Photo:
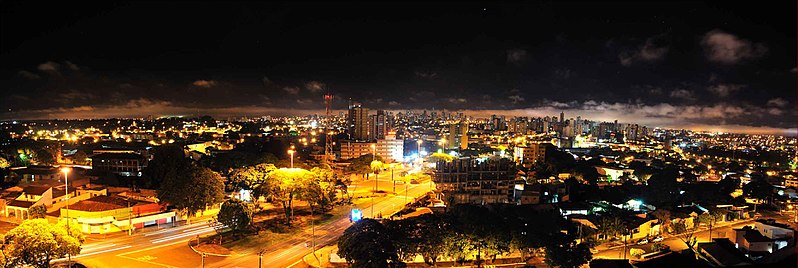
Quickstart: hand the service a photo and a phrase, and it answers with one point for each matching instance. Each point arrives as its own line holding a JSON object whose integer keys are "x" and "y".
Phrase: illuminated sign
{"x": 356, "y": 215}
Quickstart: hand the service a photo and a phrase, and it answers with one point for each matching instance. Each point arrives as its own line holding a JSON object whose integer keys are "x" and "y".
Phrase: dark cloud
{"x": 516, "y": 56}
{"x": 724, "y": 90}
{"x": 727, "y": 48}
{"x": 447, "y": 57}
{"x": 204, "y": 83}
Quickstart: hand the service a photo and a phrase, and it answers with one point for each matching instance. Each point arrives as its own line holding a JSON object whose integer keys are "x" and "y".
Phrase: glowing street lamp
{"x": 291, "y": 152}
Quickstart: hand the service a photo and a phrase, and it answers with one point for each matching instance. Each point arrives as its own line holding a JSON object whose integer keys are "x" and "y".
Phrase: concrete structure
{"x": 377, "y": 125}
{"x": 470, "y": 180}
{"x": 125, "y": 164}
{"x": 458, "y": 136}
{"x": 357, "y": 122}
{"x": 389, "y": 149}
{"x": 106, "y": 214}
{"x": 34, "y": 174}
{"x": 527, "y": 156}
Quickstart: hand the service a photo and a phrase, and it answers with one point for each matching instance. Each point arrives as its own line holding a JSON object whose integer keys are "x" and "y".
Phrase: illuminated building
{"x": 357, "y": 122}
{"x": 471, "y": 180}
{"x": 527, "y": 156}
{"x": 458, "y": 135}
{"x": 389, "y": 149}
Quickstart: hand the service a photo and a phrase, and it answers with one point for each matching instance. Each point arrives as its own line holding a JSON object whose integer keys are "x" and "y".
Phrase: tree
{"x": 568, "y": 254}
{"x": 376, "y": 166}
{"x": 37, "y": 212}
{"x": 367, "y": 243}
{"x": 728, "y": 185}
{"x": 759, "y": 189}
{"x": 194, "y": 190}
{"x": 422, "y": 235}
{"x": 44, "y": 157}
{"x": 235, "y": 214}
{"x": 483, "y": 234}
{"x": 588, "y": 174}
{"x": 4, "y": 163}
{"x": 437, "y": 157}
{"x": 319, "y": 189}
{"x": 362, "y": 164}
{"x": 254, "y": 178}
{"x": 168, "y": 164}
{"x": 664, "y": 217}
{"x": 36, "y": 242}
{"x": 610, "y": 226}
{"x": 286, "y": 184}
{"x": 636, "y": 252}
{"x": 662, "y": 185}
{"x": 80, "y": 158}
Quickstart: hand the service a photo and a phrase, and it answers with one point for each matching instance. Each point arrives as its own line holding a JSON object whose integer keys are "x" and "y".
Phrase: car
{"x": 642, "y": 242}
{"x": 658, "y": 239}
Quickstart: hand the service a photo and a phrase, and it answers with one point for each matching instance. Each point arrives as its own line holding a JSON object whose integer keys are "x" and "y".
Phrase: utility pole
{"x": 394, "y": 181}
{"x": 66, "y": 191}
{"x": 129, "y": 219}
{"x": 313, "y": 236}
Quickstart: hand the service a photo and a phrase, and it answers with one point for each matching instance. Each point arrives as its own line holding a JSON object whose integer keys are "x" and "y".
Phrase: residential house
{"x": 106, "y": 214}
{"x": 721, "y": 252}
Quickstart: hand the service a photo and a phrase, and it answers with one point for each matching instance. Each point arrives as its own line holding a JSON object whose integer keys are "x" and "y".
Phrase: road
{"x": 168, "y": 247}
{"x": 676, "y": 244}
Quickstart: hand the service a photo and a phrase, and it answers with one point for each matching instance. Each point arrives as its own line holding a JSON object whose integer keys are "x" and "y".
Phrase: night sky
{"x": 714, "y": 66}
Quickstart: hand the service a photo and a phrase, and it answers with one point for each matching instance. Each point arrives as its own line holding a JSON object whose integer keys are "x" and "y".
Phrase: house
{"x": 721, "y": 252}
{"x": 30, "y": 196}
{"x": 752, "y": 241}
{"x": 687, "y": 215}
{"x": 33, "y": 174}
{"x": 571, "y": 208}
{"x": 781, "y": 234}
{"x": 106, "y": 214}
{"x": 641, "y": 226}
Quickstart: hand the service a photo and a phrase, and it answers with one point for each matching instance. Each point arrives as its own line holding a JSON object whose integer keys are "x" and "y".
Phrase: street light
{"x": 66, "y": 170}
{"x": 260, "y": 257}
{"x": 291, "y": 152}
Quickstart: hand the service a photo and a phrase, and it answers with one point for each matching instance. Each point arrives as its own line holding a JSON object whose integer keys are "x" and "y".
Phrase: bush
{"x": 636, "y": 252}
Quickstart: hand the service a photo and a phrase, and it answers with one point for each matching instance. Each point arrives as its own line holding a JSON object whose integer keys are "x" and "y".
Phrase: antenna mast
{"x": 328, "y": 143}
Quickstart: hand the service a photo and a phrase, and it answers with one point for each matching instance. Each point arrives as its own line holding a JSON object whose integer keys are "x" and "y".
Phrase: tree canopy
{"x": 193, "y": 190}
{"x": 36, "y": 242}
{"x": 235, "y": 214}
{"x": 367, "y": 243}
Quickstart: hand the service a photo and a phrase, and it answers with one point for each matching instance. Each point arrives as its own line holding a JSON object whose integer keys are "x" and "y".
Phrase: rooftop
{"x": 35, "y": 189}
{"x": 20, "y": 204}
{"x": 117, "y": 156}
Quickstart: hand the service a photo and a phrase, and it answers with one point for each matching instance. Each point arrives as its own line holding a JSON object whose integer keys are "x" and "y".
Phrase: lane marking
{"x": 146, "y": 261}
{"x": 178, "y": 236}
{"x": 93, "y": 253}
{"x": 295, "y": 263}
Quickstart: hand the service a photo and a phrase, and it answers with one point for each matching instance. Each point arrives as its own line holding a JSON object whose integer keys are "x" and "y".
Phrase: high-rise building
{"x": 458, "y": 135}
{"x": 562, "y": 117}
{"x": 527, "y": 156}
{"x": 357, "y": 121}
{"x": 378, "y": 125}
{"x": 388, "y": 148}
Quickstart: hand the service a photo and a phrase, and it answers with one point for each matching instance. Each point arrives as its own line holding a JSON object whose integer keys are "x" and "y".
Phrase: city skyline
{"x": 699, "y": 66}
